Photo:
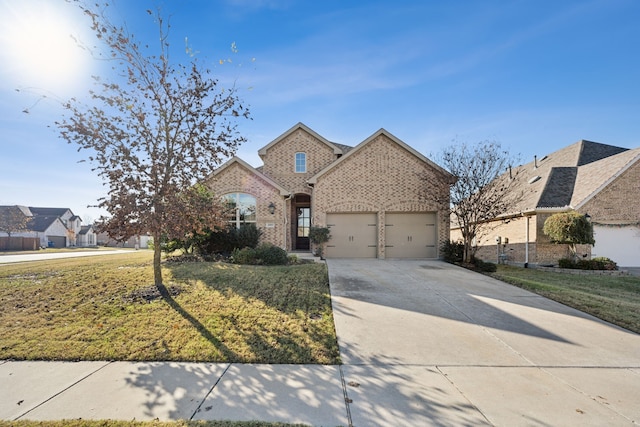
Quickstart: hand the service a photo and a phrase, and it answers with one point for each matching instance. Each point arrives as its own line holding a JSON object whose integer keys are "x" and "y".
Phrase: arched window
{"x": 242, "y": 208}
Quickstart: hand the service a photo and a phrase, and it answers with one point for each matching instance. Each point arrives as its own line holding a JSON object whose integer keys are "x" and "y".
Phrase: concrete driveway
{"x": 428, "y": 343}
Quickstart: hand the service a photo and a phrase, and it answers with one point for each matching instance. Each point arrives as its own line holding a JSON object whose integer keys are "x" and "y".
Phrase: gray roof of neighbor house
{"x": 85, "y": 229}
{"x": 48, "y": 211}
{"x": 567, "y": 177}
{"x": 42, "y": 222}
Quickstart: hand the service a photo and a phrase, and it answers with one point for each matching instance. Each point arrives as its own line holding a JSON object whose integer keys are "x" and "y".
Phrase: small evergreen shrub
{"x": 598, "y": 263}
{"x": 264, "y": 254}
{"x": 605, "y": 263}
{"x": 452, "y": 252}
{"x": 566, "y": 263}
{"x": 485, "y": 267}
{"x": 226, "y": 240}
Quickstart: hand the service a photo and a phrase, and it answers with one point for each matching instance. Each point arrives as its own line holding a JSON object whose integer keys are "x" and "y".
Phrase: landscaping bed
{"x": 106, "y": 308}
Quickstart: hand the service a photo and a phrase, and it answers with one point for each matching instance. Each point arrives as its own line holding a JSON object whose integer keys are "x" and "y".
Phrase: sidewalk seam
{"x": 62, "y": 391}
{"x": 209, "y": 392}
{"x": 346, "y": 396}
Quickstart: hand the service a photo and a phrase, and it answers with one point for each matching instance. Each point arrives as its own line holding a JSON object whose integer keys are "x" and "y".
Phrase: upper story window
{"x": 242, "y": 208}
{"x": 301, "y": 162}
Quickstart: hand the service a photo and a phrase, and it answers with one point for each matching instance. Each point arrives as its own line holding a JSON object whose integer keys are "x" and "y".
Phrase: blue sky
{"x": 535, "y": 75}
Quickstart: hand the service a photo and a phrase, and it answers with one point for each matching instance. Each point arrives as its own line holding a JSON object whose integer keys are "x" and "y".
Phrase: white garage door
{"x": 622, "y": 245}
{"x": 411, "y": 235}
{"x": 353, "y": 235}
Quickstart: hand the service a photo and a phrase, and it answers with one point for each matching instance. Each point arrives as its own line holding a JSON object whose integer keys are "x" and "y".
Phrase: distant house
{"x": 54, "y": 227}
{"x": 594, "y": 179}
{"x": 137, "y": 242}
{"x": 86, "y": 236}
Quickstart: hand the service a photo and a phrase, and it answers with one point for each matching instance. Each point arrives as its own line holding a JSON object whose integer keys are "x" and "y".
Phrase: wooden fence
{"x": 19, "y": 243}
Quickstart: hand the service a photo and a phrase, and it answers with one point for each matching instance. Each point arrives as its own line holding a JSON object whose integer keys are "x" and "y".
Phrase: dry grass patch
{"x": 615, "y": 299}
{"x": 106, "y": 308}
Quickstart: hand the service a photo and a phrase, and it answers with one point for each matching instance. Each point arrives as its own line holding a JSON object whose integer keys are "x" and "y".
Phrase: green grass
{"x": 111, "y": 423}
{"x": 102, "y": 308}
{"x": 615, "y": 299}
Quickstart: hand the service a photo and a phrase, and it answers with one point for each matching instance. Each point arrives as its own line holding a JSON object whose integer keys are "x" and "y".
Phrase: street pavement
{"x": 422, "y": 343}
{"x": 10, "y": 259}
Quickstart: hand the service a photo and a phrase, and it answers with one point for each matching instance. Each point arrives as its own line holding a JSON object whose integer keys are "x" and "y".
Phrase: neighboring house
{"x": 368, "y": 195}
{"x": 137, "y": 242}
{"x": 87, "y": 236}
{"x": 57, "y": 227}
{"x": 598, "y": 180}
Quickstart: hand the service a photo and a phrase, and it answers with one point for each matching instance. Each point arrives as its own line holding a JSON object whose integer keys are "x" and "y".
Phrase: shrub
{"x": 605, "y": 263}
{"x": 599, "y": 263}
{"x": 485, "y": 267}
{"x": 264, "y": 254}
{"x": 319, "y": 236}
{"x": 566, "y": 263}
{"x": 452, "y": 252}
{"x": 226, "y": 240}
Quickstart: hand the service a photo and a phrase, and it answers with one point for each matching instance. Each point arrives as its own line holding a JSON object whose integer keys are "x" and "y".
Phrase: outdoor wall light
{"x": 587, "y": 217}
{"x": 272, "y": 208}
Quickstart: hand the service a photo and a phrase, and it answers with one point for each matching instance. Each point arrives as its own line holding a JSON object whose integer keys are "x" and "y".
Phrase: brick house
{"x": 368, "y": 195}
{"x": 598, "y": 180}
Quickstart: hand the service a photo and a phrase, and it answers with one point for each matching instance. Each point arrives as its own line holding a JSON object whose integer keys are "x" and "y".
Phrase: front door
{"x": 302, "y": 229}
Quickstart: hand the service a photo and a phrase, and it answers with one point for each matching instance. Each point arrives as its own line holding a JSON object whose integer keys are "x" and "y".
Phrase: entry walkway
{"x": 422, "y": 343}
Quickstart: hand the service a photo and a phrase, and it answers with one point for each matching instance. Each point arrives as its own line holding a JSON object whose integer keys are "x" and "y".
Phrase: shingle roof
{"x": 48, "y": 211}
{"x": 42, "y": 222}
{"x": 567, "y": 176}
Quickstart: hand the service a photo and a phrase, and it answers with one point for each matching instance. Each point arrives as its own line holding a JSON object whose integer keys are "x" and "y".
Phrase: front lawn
{"x": 615, "y": 299}
{"x": 106, "y": 308}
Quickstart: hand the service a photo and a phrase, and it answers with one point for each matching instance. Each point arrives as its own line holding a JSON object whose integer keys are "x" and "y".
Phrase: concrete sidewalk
{"x": 10, "y": 259}
{"x": 306, "y": 394}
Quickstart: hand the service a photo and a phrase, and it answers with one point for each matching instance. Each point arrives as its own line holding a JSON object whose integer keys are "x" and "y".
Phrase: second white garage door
{"x": 353, "y": 235}
{"x": 411, "y": 235}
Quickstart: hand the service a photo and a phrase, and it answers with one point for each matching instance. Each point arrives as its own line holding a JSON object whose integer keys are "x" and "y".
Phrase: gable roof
{"x": 594, "y": 177}
{"x": 337, "y": 148}
{"x": 359, "y": 147}
{"x": 565, "y": 177}
{"x": 237, "y": 160}
{"x": 43, "y": 222}
{"x": 49, "y": 211}
{"x": 85, "y": 229}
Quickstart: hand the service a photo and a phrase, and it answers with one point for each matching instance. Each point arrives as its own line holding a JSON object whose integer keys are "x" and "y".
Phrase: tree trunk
{"x": 157, "y": 257}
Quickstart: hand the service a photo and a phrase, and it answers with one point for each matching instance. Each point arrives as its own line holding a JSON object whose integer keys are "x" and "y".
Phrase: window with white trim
{"x": 241, "y": 207}
{"x": 301, "y": 162}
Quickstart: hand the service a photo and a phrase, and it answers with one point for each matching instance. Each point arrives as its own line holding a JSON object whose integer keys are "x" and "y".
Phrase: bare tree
{"x": 151, "y": 134}
{"x": 483, "y": 189}
{"x": 13, "y": 220}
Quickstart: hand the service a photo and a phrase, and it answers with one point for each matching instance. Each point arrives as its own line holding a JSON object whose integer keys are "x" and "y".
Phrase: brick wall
{"x": 619, "y": 202}
{"x": 380, "y": 177}
{"x": 237, "y": 179}
{"x": 279, "y": 161}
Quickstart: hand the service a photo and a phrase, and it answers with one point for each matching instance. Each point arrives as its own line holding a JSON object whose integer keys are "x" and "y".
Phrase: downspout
{"x": 526, "y": 244}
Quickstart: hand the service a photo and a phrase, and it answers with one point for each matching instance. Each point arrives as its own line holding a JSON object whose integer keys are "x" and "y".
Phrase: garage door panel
{"x": 411, "y": 235}
{"x": 352, "y": 235}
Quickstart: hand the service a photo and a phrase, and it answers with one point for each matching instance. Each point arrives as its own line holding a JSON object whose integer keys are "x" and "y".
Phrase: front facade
{"x": 370, "y": 196}
{"x": 594, "y": 179}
